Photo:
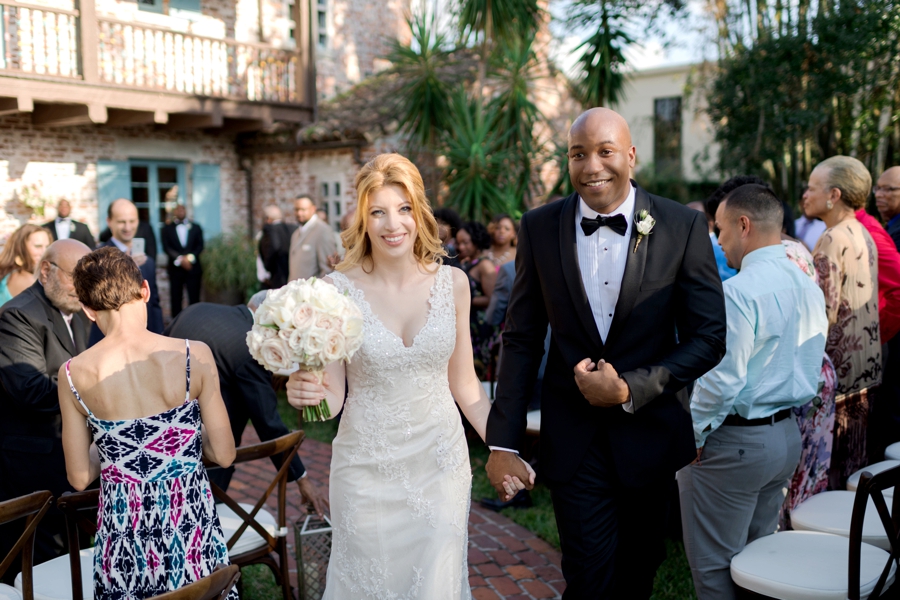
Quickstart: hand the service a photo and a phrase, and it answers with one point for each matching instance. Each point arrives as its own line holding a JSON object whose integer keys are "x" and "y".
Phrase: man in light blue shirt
{"x": 748, "y": 442}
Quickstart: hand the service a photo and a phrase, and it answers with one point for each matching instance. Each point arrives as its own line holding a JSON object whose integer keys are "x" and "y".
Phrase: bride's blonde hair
{"x": 381, "y": 171}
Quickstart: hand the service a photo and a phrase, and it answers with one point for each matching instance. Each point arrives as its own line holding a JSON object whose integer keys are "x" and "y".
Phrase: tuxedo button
{"x": 605, "y": 283}
{"x": 610, "y": 314}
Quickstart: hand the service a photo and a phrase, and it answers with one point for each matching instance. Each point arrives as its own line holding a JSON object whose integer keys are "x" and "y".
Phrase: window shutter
{"x": 192, "y": 5}
{"x": 113, "y": 182}
{"x": 207, "y": 212}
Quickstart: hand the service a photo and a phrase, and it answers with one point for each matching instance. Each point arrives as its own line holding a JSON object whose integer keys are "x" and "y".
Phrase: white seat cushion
{"x": 804, "y": 565}
{"x": 892, "y": 452}
{"x": 9, "y": 593}
{"x": 853, "y": 480}
{"x": 533, "y": 425}
{"x": 250, "y": 539}
{"x": 830, "y": 512}
{"x": 53, "y": 579}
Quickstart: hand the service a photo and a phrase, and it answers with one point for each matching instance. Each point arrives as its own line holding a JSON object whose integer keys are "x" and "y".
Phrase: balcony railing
{"x": 46, "y": 41}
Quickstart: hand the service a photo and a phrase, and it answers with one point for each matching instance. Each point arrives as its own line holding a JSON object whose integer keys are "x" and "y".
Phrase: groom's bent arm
{"x": 700, "y": 322}
{"x": 523, "y": 346}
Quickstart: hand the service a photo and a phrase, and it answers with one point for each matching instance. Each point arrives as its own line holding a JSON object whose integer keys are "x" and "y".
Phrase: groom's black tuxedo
{"x": 667, "y": 330}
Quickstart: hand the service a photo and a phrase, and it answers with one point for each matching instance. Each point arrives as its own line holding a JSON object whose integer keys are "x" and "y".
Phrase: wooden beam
{"x": 119, "y": 117}
{"x": 89, "y": 33}
{"x": 14, "y": 106}
{"x": 187, "y": 121}
{"x": 67, "y": 115}
{"x": 244, "y": 125}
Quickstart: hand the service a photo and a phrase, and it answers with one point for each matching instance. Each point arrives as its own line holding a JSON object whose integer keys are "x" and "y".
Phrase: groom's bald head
{"x": 601, "y": 158}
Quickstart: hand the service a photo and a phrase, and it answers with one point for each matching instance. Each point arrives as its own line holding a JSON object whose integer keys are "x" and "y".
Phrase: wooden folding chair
{"x": 253, "y": 533}
{"x": 32, "y": 508}
{"x": 215, "y": 586}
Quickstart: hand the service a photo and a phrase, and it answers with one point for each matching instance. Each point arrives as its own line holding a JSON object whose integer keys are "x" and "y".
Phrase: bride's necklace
{"x": 499, "y": 260}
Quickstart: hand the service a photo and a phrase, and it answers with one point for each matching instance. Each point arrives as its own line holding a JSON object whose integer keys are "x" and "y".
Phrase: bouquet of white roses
{"x": 309, "y": 324}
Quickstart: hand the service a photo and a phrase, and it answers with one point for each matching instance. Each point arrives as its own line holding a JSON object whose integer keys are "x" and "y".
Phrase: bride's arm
{"x": 303, "y": 388}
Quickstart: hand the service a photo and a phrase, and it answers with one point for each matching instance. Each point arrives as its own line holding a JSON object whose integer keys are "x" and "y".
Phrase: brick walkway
{"x": 505, "y": 560}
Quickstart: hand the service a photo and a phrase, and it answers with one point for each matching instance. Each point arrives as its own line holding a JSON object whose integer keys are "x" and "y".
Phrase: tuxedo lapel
{"x": 568, "y": 254}
{"x": 634, "y": 268}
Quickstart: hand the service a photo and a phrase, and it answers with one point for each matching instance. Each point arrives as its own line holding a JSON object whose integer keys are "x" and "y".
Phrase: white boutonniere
{"x": 644, "y": 223}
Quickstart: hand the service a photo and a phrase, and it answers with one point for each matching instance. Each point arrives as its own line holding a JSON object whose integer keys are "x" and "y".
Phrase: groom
{"x": 628, "y": 283}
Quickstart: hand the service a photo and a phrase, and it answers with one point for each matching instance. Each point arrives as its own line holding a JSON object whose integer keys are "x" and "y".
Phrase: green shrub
{"x": 229, "y": 264}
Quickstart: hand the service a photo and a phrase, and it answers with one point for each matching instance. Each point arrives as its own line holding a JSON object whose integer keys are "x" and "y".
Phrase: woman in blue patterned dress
{"x": 132, "y": 415}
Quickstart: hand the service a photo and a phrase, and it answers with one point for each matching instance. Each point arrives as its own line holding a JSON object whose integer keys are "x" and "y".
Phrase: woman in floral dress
{"x": 473, "y": 241}
{"x": 131, "y": 418}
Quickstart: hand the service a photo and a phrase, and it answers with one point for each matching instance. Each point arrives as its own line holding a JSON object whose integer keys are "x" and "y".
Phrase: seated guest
{"x": 246, "y": 386}
{"x": 128, "y": 419}
{"x": 64, "y": 227}
{"x": 748, "y": 443}
{"x": 838, "y": 187}
{"x": 496, "y": 310}
{"x": 20, "y": 256}
{"x": 40, "y": 329}
{"x": 449, "y": 224}
{"x": 473, "y": 241}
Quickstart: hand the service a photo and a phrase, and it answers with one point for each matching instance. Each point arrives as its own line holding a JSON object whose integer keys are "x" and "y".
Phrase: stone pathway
{"x": 505, "y": 560}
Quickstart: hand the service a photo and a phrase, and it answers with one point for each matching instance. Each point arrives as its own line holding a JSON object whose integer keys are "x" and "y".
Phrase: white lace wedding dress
{"x": 400, "y": 475}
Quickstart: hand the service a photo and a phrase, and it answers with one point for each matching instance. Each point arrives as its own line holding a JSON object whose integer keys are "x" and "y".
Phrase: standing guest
{"x": 496, "y": 310}
{"x": 748, "y": 443}
{"x": 725, "y": 271}
{"x": 64, "y": 227}
{"x": 887, "y": 200}
{"x": 449, "y": 224}
{"x": 847, "y": 266}
{"x": 275, "y": 246}
{"x": 312, "y": 244}
{"x": 20, "y": 256}
{"x": 246, "y": 386}
{"x": 473, "y": 241}
{"x": 40, "y": 329}
{"x": 144, "y": 231}
{"x": 808, "y": 229}
{"x": 615, "y": 287}
{"x": 122, "y": 220}
{"x": 144, "y": 432}
{"x": 182, "y": 241}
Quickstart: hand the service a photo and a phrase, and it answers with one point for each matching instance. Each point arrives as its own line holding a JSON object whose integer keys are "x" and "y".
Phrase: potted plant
{"x": 229, "y": 269}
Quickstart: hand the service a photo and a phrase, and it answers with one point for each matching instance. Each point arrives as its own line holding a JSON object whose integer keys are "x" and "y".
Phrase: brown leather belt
{"x": 739, "y": 421}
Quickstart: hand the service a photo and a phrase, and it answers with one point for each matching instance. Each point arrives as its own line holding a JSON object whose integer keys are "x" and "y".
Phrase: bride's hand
{"x": 303, "y": 389}
{"x": 513, "y": 485}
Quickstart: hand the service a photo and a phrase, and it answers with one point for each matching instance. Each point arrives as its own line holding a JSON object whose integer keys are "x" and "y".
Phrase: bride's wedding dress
{"x": 400, "y": 474}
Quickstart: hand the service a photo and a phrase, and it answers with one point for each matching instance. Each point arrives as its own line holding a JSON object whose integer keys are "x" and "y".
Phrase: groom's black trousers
{"x": 612, "y": 538}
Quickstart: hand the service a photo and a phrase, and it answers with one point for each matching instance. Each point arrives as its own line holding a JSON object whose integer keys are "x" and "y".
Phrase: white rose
{"x": 283, "y": 312}
{"x": 315, "y": 341}
{"x": 328, "y": 300}
{"x": 304, "y": 316}
{"x": 353, "y": 326}
{"x": 276, "y": 354}
{"x": 297, "y": 342}
{"x": 334, "y": 346}
{"x": 645, "y": 225}
{"x": 328, "y": 322}
{"x": 263, "y": 315}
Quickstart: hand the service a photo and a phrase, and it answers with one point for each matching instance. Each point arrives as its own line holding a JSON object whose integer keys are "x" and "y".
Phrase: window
{"x": 667, "y": 136}
{"x": 151, "y": 5}
{"x": 156, "y": 187}
{"x": 332, "y": 203}
{"x": 322, "y": 22}
{"x": 175, "y": 7}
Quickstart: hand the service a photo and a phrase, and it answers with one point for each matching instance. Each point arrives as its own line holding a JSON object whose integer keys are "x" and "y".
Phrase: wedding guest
{"x": 809, "y": 229}
{"x": 64, "y": 227}
{"x": 144, "y": 231}
{"x": 887, "y": 200}
{"x": 503, "y": 231}
{"x": 182, "y": 241}
{"x": 449, "y": 224}
{"x": 496, "y": 310}
{"x": 312, "y": 243}
{"x": 20, "y": 256}
{"x": 776, "y": 336}
{"x": 144, "y": 431}
{"x": 40, "y": 329}
{"x": 721, "y": 262}
{"x": 275, "y": 246}
{"x": 122, "y": 220}
{"x": 847, "y": 265}
{"x": 245, "y": 385}
{"x": 473, "y": 241}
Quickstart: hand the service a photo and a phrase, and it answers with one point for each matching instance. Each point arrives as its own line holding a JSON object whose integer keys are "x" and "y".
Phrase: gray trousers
{"x": 733, "y": 497}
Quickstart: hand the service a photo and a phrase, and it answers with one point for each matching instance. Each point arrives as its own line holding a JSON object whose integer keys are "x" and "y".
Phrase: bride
{"x": 400, "y": 473}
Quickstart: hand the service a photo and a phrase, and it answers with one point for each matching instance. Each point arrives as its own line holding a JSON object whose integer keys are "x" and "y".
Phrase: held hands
{"x": 303, "y": 389}
{"x": 509, "y": 474}
{"x": 600, "y": 384}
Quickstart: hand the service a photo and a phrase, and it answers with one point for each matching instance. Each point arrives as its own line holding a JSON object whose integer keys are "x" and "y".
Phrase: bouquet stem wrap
{"x": 319, "y": 412}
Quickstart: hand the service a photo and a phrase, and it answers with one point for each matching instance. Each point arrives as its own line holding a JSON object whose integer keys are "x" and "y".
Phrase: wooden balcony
{"x": 73, "y": 67}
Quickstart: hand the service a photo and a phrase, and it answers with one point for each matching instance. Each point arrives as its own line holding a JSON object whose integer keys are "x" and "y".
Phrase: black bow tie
{"x": 617, "y": 223}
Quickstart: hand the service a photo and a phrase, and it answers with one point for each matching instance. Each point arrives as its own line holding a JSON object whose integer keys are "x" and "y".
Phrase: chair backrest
{"x": 80, "y": 510}
{"x": 32, "y": 508}
{"x": 214, "y": 586}
{"x": 287, "y": 446}
{"x": 873, "y": 486}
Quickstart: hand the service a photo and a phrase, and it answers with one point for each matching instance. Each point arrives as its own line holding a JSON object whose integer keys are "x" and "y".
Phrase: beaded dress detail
{"x": 400, "y": 474}
{"x": 158, "y": 529}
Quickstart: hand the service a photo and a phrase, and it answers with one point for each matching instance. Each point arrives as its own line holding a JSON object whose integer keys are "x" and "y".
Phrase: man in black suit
{"x": 637, "y": 313}
{"x": 246, "y": 386}
{"x": 275, "y": 247}
{"x": 182, "y": 242}
{"x": 63, "y": 227}
{"x": 40, "y": 329}
{"x": 122, "y": 220}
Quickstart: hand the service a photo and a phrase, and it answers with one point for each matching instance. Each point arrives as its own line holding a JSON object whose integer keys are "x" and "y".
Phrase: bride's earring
{"x": 829, "y": 205}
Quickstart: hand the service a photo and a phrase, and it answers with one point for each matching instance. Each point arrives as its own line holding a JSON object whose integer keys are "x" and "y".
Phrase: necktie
{"x": 617, "y": 223}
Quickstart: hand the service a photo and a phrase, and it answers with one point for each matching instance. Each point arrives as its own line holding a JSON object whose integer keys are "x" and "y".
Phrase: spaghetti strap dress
{"x": 158, "y": 529}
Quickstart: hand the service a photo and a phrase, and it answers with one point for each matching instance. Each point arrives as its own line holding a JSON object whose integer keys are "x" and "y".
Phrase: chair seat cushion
{"x": 9, "y": 593}
{"x": 875, "y": 469}
{"x": 892, "y": 452}
{"x": 805, "y": 565}
{"x": 830, "y": 512}
{"x": 250, "y": 539}
{"x": 533, "y": 423}
{"x": 53, "y": 579}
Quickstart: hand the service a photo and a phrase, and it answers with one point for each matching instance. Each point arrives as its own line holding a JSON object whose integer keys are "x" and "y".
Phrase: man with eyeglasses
{"x": 887, "y": 199}
{"x": 40, "y": 329}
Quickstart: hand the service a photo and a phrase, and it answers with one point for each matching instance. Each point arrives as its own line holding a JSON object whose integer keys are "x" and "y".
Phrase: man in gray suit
{"x": 887, "y": 199}
{"x": 496, "y": 310}
{"x": 311, "y": 244}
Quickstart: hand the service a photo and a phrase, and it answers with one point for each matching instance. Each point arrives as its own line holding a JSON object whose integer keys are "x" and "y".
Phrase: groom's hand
{"x": 507, "y": 474}
{"x": 600, "y": 384}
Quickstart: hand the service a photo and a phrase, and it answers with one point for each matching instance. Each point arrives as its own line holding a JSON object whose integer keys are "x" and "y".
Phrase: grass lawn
{"x": 673, "y": 580}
